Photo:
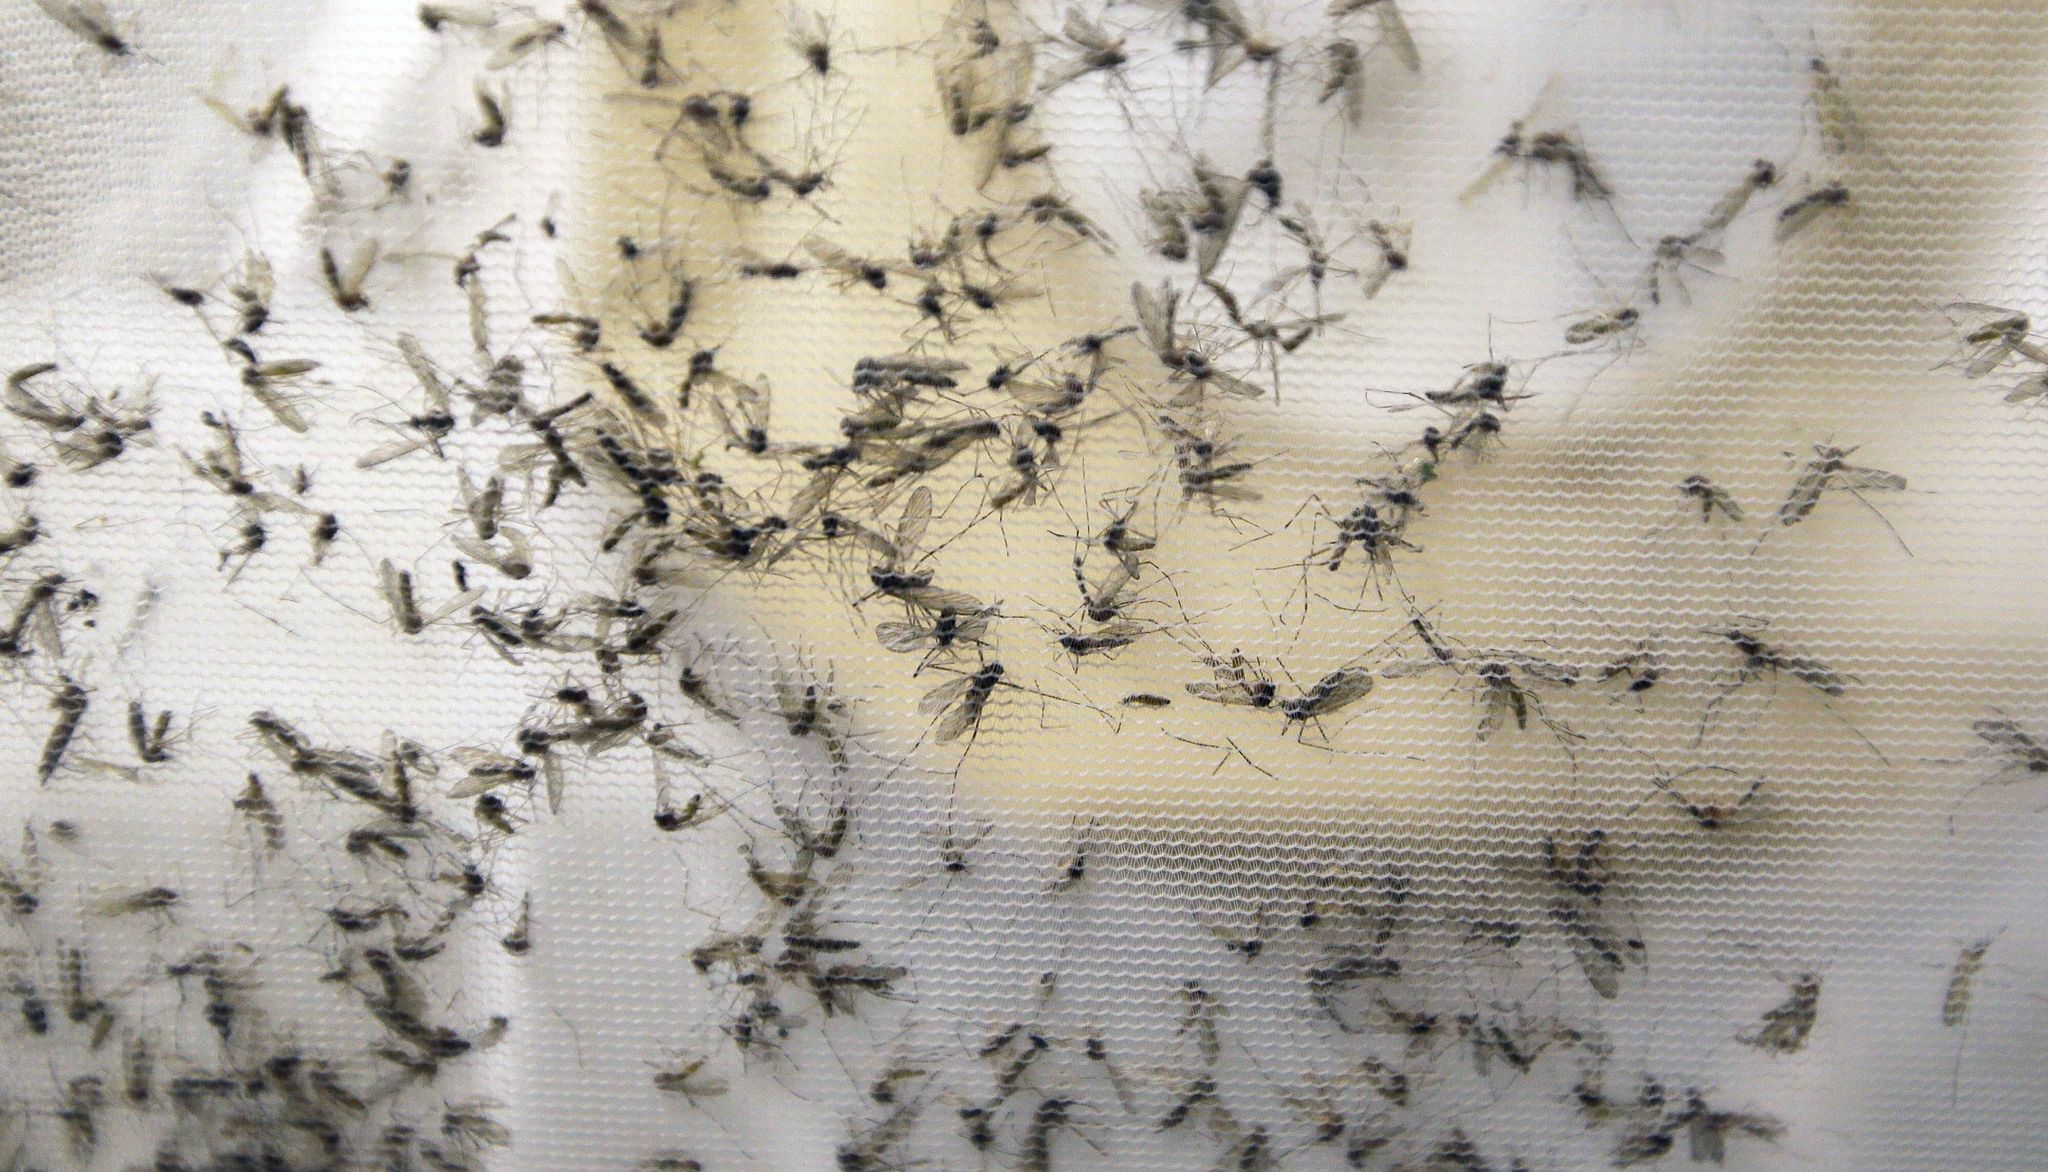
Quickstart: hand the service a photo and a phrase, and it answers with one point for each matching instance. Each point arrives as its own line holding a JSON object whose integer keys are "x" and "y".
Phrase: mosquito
{"x": 1156, "y": 311}
{"x": 1317, "y": 263}
{"x": 1672, "y": 255}
{"x": 1508, "y": 682}
{"x": 1269, "y": 337}
{"x": 345, "y": 284}
{"x": 1839, "y": 127}
{"x": 1707, "y": 1130}
{"x": 811, "y": 706}
{"x": 962, "y": 701}
{"x": 1605, "y": 324}
{"x": 403, "y": 602}
{"x": 1344, "y": 73}
{"x": 1710, "y": 497}
{"x": 1230, "y": 39}
{"x": 690, "y": 1080}
{"x": 2021, "y": 756}
{"x": 1710, "y": 815}
{"x": 1785, "y": 1026}
{"x": 1204, "y": 469}
{"x": 892, "y": 574}
{"x": 936, "y": 632}
{"x": 1962, "y": 980}
{"x": 1579, "y": 906}
{"x": 850, "y": 269}
{"x": 1338, "y": 689}
{"x": 1763, "y": 174}
{"x": 1393, "y": 27}
{"x": 1096, "y": 50}
{"x": 1237, "y": 681}
{"x": 70, "y": 704}
{"x": 1554, "y": 148}
{"x": 1203, "y": 214}
{"x": 434, "y": 423}
{"x": 1794, "y": 217}
{"x": 435, "y": 16}
{"x": 515, "y": 43}
{"x": 1761, "y": 659}
{"x": 91, "y": 20}
{"x": 2005, "y": 334}
{"x": 1830, "y": 470}
{"x": 494, "y": 128}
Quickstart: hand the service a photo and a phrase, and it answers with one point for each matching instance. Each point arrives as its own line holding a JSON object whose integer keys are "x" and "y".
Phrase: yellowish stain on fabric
{"x": 1763, "y": 362}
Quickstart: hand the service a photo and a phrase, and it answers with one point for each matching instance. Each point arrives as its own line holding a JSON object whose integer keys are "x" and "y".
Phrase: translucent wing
{"x": 910, "y": 529}
{"x": 812, "y": 496}
{"x": 87, "y": 18}
{"x": 956, "y": 722}
{"x": 2034, "y": 386}
{"x": 2005, "y": 734}
{"x": 1563, "y": 674}
{"x": 937, "y": 600}
{"x": 1601, "y": 961}
{"x": 1226, "y": 200}
{"x": 967, "y": 700}
{"x": 1869, "y": 479}
{"x": 1231, "y": 385}
{"x": 1804, "y": 496}
{"x": 1722, "y": 499}
{"x": 1499, "y": 699}
{"x": 1236, "y": 682}
{"x": 516, "y": 43}
{"x": 280, "y": 406}
{"x": 902, "y": 636}
{"x": 487, "y": 771}
{"x": 391, "y": 451}
{"x": 1344, "y": 686}
{"x": 1814, "y": 674}
{"x": 1394, "y": 33}
{"x": 1494, "y": 170}
{"x": 1155, "y": 310}
{"x": 1401, "y": 669}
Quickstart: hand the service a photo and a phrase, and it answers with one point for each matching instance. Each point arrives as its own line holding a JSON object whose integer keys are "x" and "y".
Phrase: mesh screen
{"x": 1390, "y": 584}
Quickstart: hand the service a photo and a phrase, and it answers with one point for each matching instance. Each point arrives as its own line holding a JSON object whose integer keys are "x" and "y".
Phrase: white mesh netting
{"x": 1000, "y": 585}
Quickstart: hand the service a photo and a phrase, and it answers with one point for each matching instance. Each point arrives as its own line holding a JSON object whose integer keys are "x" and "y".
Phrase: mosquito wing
{"x": 1722, "y": 499}
{"x": 1499, "y": 699}
{"x": 1155, "y": 310}
{"x": 1228, "y": 195}
{"x": 1561, "y": 674}
{"x": 910, "y": 528}
{"x": 937, "y": 600}
{"x": 1231, "y": 385}
{"x": 1814, "y": 674}
{"x": 812, "y": 496}
{"x": 2034, "y": 386}
{"x": 1394, "y": 33}
{"x": 903, "y": 636}
{"x": 1804, "y": 496}
{"x": 1857, "y": 479}
{"x": 1346, "y": 685}
{"x": 1401, "y": 669}
{"x": 1600, "y": 961}
{"x": 2005, "y": 734}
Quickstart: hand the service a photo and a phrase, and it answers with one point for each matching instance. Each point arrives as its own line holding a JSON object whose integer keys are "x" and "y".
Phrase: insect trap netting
{"x": 1380, "y": 584}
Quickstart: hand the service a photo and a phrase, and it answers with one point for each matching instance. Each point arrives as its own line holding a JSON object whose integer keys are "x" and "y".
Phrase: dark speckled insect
{"x": 1786, "y": 1025}
{"x": 90, "y": 20}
